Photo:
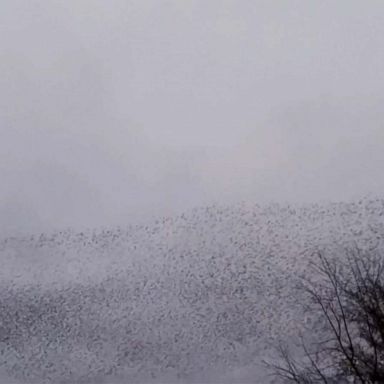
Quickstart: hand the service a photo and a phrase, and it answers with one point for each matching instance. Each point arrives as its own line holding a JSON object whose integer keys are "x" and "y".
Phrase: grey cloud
{"x": 115, "y": 111}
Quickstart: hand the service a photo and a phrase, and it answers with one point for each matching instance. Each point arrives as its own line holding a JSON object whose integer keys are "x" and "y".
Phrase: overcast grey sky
{"x": 116, "y": 110}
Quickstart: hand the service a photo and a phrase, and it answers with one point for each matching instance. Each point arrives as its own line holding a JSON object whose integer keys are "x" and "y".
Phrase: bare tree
{"x": 347, "y": 296}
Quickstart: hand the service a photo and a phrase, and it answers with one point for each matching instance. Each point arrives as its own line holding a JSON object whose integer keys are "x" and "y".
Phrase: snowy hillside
{"x": 198, "y": 297}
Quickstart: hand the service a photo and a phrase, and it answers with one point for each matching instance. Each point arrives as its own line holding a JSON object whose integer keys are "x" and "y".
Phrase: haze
{"x": 114, "y": 111}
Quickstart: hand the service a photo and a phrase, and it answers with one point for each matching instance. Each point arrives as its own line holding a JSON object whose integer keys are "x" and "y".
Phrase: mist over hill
{"x": 198, "y": 297}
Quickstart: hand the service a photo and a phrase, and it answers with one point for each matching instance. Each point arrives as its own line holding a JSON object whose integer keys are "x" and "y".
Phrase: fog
{"x": 115, "y": 111}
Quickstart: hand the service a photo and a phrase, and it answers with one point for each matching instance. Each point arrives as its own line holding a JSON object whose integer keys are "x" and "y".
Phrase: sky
{"x": 119, "y": 110}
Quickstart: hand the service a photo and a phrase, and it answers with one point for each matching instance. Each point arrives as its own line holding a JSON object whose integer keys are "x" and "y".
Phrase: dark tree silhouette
{"x": 347, "y": 296}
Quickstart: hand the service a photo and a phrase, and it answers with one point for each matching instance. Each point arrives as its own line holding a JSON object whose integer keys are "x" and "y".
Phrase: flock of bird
{"x": 209, "y": 289}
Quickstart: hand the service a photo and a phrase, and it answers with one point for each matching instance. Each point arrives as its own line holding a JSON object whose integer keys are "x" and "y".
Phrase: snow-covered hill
{"x": 193, "y": 298}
